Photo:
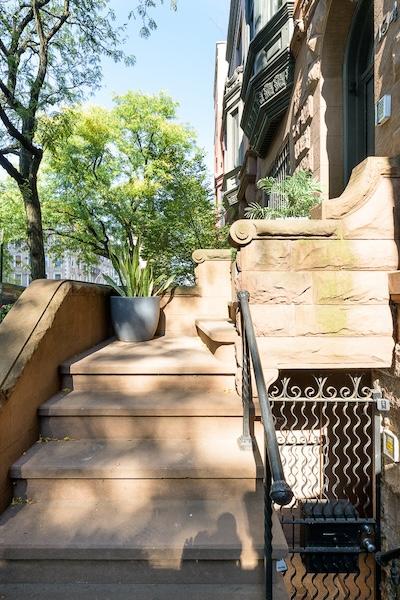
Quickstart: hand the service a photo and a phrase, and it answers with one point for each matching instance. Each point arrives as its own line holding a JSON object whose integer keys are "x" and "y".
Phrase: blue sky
{"x": 178, "y": 58}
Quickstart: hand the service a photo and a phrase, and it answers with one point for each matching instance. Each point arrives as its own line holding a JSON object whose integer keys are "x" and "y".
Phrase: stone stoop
{"x": 137, "y": 487}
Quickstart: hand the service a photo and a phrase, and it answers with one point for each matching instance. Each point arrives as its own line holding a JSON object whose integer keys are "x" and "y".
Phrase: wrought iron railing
{"x": 276, "y": 489}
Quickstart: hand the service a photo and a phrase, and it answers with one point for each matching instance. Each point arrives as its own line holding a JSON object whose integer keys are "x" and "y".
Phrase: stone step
{"x": 150, "y": 383}
{"x": 141, "y": 592}
{"x": 159, "y": 415}
{"x": 163, "y": 355}
{"x": 208, "y": 457}
{"x": 127, "y": 428}
{"x": 163, "y": 365}
{"x": 139, "y": 572}
{"x": 173, "y": 402}
{"x": 79, "y": 489}
{"x": 222, "y": 331}
{"x": 164, "y": 532}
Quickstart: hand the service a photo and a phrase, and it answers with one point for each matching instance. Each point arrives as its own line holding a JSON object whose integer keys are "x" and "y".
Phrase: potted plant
{"x": 135, "y": 312}
{"x": 297, "y": 193}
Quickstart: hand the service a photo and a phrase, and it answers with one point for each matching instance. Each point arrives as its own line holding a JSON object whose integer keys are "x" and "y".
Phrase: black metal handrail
{"x": 280, "y": 492}
{"x": 276, "y": 488}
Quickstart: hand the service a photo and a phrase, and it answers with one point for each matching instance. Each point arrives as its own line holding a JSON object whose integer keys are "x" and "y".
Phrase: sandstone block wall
{"x": 209, "y": 298}
{"x": 319, "y": 289}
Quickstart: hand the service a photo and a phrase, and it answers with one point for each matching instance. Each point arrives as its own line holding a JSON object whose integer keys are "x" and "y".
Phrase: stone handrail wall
{"x": 50, "y": 322}
{"x": 209, "y": 298}
{"x": 319, "y": 287}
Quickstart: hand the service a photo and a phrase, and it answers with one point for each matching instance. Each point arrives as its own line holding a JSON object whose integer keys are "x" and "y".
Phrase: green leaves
{"x": 299, "y": 193}
{"x": 137, "y": 277}
{"x": 127, "y": 172}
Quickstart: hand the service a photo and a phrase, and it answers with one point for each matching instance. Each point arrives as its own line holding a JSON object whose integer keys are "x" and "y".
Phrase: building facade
{"x": 221, "y": 69}
{"x": 313, "y": 85}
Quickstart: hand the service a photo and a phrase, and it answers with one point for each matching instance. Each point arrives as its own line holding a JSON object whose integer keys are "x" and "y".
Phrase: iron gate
{"x": 326, "y": 432}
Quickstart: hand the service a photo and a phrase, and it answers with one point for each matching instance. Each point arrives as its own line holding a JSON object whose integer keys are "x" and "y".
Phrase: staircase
{"x": 137, "y": 487}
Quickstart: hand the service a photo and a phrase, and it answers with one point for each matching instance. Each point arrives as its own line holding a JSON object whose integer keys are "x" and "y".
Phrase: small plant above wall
{"x": 300, "y": 192}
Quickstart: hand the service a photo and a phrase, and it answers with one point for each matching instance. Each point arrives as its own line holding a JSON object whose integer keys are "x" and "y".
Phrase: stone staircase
{"x": 137, "y": 487}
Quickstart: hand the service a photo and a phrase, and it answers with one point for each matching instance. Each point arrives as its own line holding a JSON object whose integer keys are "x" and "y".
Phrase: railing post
{"x": 245, "y": 441}
{"x": 268, "y": 562}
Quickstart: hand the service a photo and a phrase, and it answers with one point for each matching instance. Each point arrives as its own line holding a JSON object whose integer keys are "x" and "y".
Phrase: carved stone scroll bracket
{"x": 203, "y": 255}
{"x": 244, "y": 231}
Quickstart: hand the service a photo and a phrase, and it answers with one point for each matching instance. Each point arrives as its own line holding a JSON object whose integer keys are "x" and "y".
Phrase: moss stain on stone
{"x": 333, "y": 287}
{"x": 331, "y": 319}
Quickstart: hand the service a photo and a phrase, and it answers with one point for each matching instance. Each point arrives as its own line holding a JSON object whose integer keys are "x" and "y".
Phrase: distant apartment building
{"x": 67, "y": 267}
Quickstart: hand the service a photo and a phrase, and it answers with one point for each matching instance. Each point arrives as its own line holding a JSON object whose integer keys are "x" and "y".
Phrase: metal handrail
{"x": 280, "y": 492}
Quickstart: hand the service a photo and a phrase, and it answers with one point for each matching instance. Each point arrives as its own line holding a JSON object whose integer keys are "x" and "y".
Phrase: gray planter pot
{"x": 135, "y": 319}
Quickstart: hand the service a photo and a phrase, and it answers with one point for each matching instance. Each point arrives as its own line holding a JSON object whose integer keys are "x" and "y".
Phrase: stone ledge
{"x": 242, "y": 232}
{"x": 203, "y": 255}
{"x": 218, "y": 330}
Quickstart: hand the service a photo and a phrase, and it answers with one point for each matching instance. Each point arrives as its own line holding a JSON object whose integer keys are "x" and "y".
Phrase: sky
{"x": 178, "y": 58}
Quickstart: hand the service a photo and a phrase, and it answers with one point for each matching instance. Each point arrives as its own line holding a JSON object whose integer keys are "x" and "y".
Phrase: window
{"x": 18, "y": 278}
{"x": 57, "y": 275}
{"x": 58, "y": 263}
{"x": 235, "y": 137}
{"x": 279, "y": 170}
{"x": 18, "y": 260}
{"x": 262, "y": 12}
{"x": 239, "y": 50}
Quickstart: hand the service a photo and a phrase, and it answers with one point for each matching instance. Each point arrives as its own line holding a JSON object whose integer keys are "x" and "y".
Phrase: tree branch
{"x": 11, "y": 100}
{"x": 11, "y": 170}
{"x": 99, "y": 250}
{"x": 56, "y": 28}
{"x": 10, "y": 150}
{"x": 17, "y": 135}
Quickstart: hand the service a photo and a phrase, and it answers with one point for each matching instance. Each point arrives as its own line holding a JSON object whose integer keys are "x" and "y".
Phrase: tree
{"x": 50, "y": 53}
{"x": 127, "y": 172}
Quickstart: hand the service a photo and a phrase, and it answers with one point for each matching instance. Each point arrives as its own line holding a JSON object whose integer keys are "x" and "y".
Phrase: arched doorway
{"x": 359, "y": 138}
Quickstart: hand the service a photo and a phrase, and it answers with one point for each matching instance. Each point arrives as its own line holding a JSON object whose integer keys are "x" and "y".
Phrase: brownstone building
{"x": 315, "y": 85}
{"x": 319, "y": 89}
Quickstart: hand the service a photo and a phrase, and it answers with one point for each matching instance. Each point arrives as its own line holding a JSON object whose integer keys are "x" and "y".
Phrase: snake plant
{"x": 136, "y": 278}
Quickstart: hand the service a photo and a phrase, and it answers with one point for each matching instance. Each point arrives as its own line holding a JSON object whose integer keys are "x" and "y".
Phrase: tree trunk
{"x": 34, "y": 230}
{"x": 29, "y": 167}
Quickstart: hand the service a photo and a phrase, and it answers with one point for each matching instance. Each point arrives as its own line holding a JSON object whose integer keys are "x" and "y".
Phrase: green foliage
{"x": 12, "y": 213}
{"x": 127, "y": 172}
{"x": 51, "y": 55}
{"x": 137, "y": 277}
{"x": 4, "y": 310}
{"x": 300, "y": 192}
